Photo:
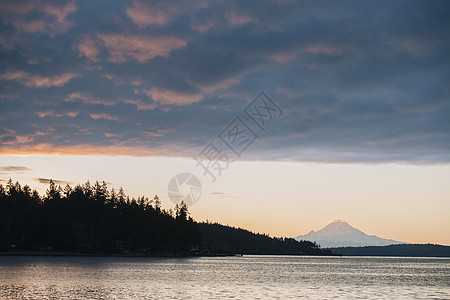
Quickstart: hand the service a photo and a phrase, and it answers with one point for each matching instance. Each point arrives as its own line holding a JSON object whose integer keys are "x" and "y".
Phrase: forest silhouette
{"x": 91, "y": 219}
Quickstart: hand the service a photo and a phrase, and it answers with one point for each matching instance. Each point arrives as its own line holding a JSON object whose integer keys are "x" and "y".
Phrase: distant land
{"x": 93, "y": 220}
{"x": 226, "y": 239}
{"x": 341, "y": 234}
{"x": 411, "y": 250}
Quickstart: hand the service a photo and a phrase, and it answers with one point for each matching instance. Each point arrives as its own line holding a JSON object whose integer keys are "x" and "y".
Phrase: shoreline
{"x": 186, "y": 255}
{"x": 81, "y": 254}
{"x": 167, "y": 255}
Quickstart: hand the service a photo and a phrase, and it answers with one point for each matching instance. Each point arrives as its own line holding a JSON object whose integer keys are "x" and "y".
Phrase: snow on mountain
{"x": 340, "y": 234}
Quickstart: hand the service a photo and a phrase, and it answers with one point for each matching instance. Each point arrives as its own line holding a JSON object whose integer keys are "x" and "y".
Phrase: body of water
{"x": 247, "y": 277}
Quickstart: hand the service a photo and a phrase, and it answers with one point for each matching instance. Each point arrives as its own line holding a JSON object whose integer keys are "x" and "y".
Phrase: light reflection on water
{"x": 248, "y": 277}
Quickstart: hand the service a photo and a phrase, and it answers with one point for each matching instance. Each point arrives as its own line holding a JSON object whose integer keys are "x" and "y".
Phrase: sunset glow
{"x": 131, "y": 92}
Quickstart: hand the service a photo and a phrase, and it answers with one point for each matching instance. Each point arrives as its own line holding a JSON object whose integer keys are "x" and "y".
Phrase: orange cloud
{"x": 158, "y": 132}
{"x": 18, "y": 139}
{"x": 87, "y": 98}
{"x": 170, "y": 97}
{"x": 30, "y": 80}
{"x": 51, "y": 113}
{"x": 103, "y": 117}
{"x": 316, "y": 49}
{"x": 88, "y": 48}
{"x": 284, "y": 57}
{"x": 323, "y": 49}
{"x": 237, "y": 19}
{"x": 141, "y": 105}
{"x": 139, "y": 47}
{"x": 112, "y": 135}
{"x": 144, "y": 15}
{"x": 60, "y": 13}
{"x": 86, "y": 149}
{"x": 53, "y": 21}
{"x": 122, "y": 48}
{"x": 220, "y": 86}
{"x": 114, "y": 78}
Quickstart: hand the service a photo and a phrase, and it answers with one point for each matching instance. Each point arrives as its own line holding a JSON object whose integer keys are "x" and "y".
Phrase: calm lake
{"x": 247, "y": 277}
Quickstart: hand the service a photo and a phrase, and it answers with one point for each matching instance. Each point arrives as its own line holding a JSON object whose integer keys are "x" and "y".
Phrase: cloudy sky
{"x": 357, "y": 84}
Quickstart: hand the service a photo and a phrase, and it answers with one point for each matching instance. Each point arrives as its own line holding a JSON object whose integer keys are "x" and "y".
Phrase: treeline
{"x": 95, "y": 220}
{"x": 238, "y": 240}
{"x": 91, "y": 218}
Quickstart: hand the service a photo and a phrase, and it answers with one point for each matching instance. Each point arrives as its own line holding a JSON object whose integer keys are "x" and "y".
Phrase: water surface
{"x": 248, "y": 277}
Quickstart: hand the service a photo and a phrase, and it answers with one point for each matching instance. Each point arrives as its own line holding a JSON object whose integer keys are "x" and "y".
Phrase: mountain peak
{"x": 341, "y": 234}
{"x": 338, "y": 227}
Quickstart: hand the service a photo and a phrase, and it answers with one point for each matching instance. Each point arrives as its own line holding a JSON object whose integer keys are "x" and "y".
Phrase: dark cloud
{"x": 222, "y": 195}
{"x": 218, "y": 193}
{"x": 358, "y": 81}
{"x": 12, "y": 169}
{"x": 47, "y": 181}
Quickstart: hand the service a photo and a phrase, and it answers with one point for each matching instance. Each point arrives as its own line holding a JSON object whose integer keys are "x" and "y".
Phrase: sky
{"x": 290, "y": 113}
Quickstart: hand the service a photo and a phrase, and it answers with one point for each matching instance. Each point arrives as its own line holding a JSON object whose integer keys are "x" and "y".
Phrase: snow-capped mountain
{"x": 340, "y": 234}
